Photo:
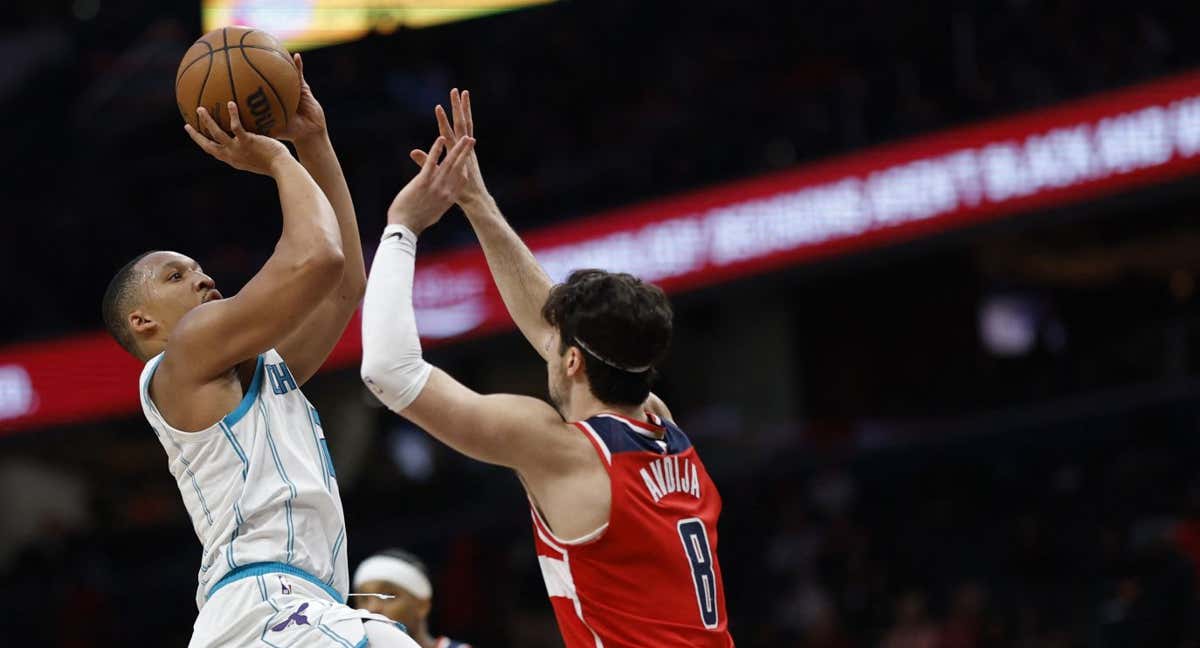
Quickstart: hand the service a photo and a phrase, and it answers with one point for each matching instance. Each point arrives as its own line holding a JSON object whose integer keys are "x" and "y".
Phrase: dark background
{"x": 888, "y": 481}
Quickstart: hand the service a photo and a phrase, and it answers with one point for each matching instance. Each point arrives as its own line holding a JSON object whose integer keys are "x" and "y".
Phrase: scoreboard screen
{"x": 304, "y": 24}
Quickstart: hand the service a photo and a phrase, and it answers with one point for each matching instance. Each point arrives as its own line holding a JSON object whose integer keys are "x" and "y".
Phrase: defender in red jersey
{"x": 624, "y": 513}
{"x": 649, "y": 577}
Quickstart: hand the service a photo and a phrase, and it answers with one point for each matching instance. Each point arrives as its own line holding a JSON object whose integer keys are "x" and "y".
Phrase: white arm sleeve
{"x": 392, "y": 367}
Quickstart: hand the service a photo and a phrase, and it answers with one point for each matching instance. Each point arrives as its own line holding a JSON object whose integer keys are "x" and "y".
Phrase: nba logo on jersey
{"x": 284, "y": 586}
{"x": 280, "y": 377}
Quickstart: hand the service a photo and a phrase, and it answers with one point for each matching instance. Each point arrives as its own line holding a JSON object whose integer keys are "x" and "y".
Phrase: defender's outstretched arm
{"x": 523, "y": 283}
{"x": 521, "y": 280}
{"x": 514, "y": 431}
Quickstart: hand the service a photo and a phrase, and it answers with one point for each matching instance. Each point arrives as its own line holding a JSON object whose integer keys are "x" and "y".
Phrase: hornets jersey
{"x": 259, "y": 484}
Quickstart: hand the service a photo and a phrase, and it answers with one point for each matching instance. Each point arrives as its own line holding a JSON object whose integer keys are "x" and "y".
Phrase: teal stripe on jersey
{"x": 237, "y": 447}
{"x": 287, "y": 505}
{"x": 333, "y": 635}
{"x": 237, "y": 509}
{"x": 259, "y": 569}
{"x": 231, "y": 419}
{"x": 337, "y": 546}
{"x": 187, "y": 468}
{"x": 312, "y": 413}
{"x": 196, "y": 486}
{"x": 237, "y": 530}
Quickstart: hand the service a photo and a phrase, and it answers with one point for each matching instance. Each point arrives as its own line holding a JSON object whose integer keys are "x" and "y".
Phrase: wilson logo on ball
{"x": 260, "y": 108}
{"x": 239, "y": 64}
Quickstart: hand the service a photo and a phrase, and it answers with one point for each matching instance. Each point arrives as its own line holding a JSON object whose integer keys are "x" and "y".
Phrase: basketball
{"x": 243, "y": 65}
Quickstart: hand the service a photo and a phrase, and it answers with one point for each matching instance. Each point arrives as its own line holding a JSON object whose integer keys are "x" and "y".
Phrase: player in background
{"x": 403, "y": 577}
{"x": 623, "y": 511}
{"x": 221, "y": 389}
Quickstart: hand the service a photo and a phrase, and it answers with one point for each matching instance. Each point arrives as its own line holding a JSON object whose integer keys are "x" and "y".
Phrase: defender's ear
{"x": 574, "y": 362}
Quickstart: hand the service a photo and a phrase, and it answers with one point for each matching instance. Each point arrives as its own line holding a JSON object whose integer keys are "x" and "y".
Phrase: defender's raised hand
{"x": 426, "y": 197}
{"x": 244, "y": 150}
{"x": 463, "y": 126}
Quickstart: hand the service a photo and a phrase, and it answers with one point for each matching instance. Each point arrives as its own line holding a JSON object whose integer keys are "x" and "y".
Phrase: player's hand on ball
{"x": 463, "y": 126}
{"x": 309, "y": 119}
{"x": 427, "y": 196}
{"x": 244, "y": 150}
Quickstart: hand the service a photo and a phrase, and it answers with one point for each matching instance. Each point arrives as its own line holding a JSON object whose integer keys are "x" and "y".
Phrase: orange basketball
{"x": 243, "y": 65}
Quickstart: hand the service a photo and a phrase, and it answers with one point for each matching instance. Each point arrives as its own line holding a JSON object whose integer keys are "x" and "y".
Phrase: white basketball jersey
{"x": 259, "y": 484}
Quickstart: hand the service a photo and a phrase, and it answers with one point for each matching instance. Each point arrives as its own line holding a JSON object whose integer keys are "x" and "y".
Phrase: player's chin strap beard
{"x": 614, "y": 365}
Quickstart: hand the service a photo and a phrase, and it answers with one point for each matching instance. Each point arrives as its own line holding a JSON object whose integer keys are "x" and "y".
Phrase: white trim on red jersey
{"x": 559, "y": 581}
{"x": 581, "y": 540}
{"x": 586, "y": 427}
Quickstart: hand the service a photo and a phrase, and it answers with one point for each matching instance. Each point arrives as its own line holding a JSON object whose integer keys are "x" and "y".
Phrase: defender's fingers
{"x": 444, "y": 126}
{"x": 434, "y": 153}
{"x": 468, "y": 120}
{"x": 418, "y": 156}
{"x": 458, "y": 155}
{"x": 456, "y": 106}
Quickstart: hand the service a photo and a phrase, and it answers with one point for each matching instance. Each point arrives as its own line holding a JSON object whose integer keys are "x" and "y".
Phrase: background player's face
{"x": 172, "y": 284}
{"x": 405, "y": 608}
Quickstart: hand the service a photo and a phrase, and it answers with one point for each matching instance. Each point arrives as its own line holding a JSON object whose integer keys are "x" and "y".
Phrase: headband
{"x": 636, "y": 370}
{"x": 394, "y": 570}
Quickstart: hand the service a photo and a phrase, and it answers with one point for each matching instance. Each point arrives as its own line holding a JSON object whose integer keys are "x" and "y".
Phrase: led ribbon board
{"x": 1076, "y": 151}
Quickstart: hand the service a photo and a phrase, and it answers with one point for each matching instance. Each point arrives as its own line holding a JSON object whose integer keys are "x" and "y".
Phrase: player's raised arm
{"x": 522, "y": 282}
{"x": 514, "y": 431}
{"x": 305, "y": 266}
{"x": 306, "y": 348}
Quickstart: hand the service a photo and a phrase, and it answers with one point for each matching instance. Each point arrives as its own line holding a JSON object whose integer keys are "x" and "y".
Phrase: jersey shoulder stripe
{"x": 227, "y": 422}
{"x": 619, "y": 434}
{"x": 231, "y": 419}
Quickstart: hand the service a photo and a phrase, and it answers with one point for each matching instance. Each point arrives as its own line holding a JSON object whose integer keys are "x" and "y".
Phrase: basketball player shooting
{"x": 221, "y": 389}
{"x": 624, "y": 513}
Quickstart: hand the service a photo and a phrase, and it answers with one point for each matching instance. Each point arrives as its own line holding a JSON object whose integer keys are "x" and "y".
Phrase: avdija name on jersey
{"x": 671, "y": 475}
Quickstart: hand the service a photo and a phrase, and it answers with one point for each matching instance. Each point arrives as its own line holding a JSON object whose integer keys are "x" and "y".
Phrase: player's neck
{"x": 584, "y": 406}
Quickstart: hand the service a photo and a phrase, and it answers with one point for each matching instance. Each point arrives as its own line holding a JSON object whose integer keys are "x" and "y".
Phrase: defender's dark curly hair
{"x": 619, "y": 323}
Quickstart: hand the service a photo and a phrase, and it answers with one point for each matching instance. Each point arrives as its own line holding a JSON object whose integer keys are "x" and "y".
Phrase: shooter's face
{"x": 172, "y": 285}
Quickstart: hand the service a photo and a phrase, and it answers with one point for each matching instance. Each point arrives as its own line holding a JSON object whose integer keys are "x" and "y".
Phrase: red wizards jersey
{"x": 650, "y": 576}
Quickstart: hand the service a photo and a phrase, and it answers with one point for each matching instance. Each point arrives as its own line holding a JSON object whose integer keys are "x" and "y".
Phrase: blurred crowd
{"x": 1080, "y": 539}
{"x": 1079, "y": 532}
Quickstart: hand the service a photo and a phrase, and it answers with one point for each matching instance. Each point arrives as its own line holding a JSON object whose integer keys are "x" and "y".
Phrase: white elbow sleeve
{"x": 392, "y": 366}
